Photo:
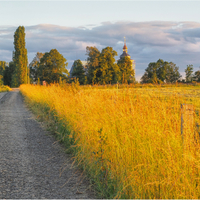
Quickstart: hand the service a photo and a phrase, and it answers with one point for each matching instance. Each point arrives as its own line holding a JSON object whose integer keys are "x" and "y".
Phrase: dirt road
{"x": 32, "y": 164}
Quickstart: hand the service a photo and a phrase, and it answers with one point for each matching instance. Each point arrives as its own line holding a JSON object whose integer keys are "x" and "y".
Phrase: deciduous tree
{"x": 93, "y": 64}
{"x": 197, "y": 76}
{"x": 126, "y": 70}
{"x": 101, "y": 67}
{"x": 8, "y": 73}
{"x": 3, "y": 65}
{"x": 108, "y": 71}
{"x": 34, "y": 65}
{"x": 188, "y": 73}
{"x": 78, "y": 71}
{"x": 161, "y": 71}
{"x": 52, "y": 67}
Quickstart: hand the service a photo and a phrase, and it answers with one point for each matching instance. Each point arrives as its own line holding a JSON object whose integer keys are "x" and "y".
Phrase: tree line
{"x": 49, "y": 66}
{"x": 101, "y": 68}
{"x": 167, "y": 72}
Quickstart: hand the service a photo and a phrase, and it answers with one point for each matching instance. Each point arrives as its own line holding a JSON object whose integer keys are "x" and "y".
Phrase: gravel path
{"x": 2, "y": 94}
{"x": 32, "y": 164}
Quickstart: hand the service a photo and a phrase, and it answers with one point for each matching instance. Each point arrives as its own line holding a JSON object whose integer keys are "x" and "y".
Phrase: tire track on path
{"x": 30, "y": 161}
{"x": 2, "y": 94}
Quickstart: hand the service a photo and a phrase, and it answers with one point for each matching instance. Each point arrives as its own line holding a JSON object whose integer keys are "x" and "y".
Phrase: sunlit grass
{"x": 128, "y": 139}
{"x": 5, "y": 88}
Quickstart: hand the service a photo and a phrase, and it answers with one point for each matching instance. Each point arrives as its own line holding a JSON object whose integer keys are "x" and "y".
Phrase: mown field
{"x": 127, "y": 139}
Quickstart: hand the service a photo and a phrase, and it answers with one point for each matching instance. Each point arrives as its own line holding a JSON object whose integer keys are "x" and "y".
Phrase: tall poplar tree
{"x": 20, "y": 59}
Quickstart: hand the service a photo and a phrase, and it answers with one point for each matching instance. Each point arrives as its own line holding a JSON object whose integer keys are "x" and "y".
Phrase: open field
{"x": 128, "y": 139}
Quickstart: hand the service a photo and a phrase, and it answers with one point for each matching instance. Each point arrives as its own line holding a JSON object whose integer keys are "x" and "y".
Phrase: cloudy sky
{"x": 168, "y": 30}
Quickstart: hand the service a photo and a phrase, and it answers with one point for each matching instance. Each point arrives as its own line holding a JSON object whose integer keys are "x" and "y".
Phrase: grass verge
{"x": 64, "y": 133}
{"x": 5, "y": 88}
{"x": 128, "y": 140}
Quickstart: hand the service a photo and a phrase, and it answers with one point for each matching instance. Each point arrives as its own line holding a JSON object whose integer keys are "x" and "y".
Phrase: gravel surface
{"x": 32, "y": 164}
{"x": 2, "y": 94}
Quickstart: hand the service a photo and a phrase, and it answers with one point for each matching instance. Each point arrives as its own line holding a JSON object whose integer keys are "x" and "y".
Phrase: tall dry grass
{"x": 4, "y": 88}
{"x": 129, "y": 140}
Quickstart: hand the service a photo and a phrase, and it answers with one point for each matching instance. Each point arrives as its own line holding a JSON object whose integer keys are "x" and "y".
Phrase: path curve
{"x": 32, "y": 164}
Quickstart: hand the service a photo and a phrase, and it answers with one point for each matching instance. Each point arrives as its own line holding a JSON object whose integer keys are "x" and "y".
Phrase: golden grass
{"x": 129, "y": 140}
{"x": 5, "y": 88}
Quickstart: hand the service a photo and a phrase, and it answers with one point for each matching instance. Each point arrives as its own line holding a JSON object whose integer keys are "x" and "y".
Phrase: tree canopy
{"x": 127, "y": 73}
{"x": 161, "y": 71}
{"x": 8, "y": 72}
{"x": 197, "y": 76}
{"x": 101, "y": 67}
{"x": 188, "y": 73}
{"x": 34, "y": 65}
{"x": 52, "y": 67}
{"x": 93, "y": 64}
{"x": 108, "y": 70}
{"x": 2, "y": 69}
{"x": 78, "y": 71}
{"x": 3, "y": 65}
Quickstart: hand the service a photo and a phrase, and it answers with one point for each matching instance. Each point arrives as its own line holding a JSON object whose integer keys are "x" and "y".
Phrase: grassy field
{"x": 128, "y": 139}
{"x": 4, "y": 88}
